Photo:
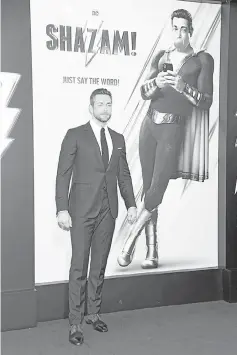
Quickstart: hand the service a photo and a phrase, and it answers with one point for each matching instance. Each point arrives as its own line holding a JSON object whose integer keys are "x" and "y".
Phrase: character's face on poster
{"x": 79, "y": 47}
{"x": 180, "y": 31}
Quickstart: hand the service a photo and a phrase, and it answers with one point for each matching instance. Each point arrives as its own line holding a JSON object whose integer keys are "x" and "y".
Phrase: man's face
{"x": 102, "y": 107}
{"x": 180, "y": 32}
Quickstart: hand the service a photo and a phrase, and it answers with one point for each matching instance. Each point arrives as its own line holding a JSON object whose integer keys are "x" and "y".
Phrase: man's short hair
{"x": 181, "y": 13}
{"x": 100, "y": 91}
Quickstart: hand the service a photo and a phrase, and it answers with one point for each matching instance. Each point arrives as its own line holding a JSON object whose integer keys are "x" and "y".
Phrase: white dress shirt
{"x": 96, "y": 129}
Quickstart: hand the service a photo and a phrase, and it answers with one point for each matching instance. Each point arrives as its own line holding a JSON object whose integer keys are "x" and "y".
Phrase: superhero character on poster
{"x": 173, "y": 140}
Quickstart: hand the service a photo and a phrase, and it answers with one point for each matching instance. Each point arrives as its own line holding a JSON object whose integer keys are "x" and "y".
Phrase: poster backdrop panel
{"x": 79, "y": 46}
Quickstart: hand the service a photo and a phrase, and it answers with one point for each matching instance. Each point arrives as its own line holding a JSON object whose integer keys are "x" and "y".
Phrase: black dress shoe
{"x": 76, "y": 335}
{"x": 97, "y": 323}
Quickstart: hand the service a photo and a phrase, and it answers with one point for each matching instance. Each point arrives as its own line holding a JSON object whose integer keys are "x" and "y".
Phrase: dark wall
{"x": 223, "y": 112}
{"x": 231, "y": 261}
{"x": 17, "y": 213}
{"x": 230, "y": 275}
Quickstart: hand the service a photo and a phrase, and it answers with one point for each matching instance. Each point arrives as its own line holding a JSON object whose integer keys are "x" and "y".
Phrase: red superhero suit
{"x": 173, "y": 140}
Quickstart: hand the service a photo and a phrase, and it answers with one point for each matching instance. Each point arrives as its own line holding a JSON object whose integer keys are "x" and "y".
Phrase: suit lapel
{"x": 114, "y": 147}
{"x": 93, "y": 141}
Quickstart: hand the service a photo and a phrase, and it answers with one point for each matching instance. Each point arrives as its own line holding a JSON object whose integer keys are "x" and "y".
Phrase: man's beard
{"x": 102, "y": 119}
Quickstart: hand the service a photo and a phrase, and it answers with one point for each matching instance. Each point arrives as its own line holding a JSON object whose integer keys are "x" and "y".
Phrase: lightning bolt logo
{"x": 95, "y": 22}
{"x": 8, "y": 84}
{"x": 88, "y": 58}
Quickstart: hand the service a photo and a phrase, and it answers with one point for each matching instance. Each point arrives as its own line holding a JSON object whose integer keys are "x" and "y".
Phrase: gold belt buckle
{"x": 158, "y": 117}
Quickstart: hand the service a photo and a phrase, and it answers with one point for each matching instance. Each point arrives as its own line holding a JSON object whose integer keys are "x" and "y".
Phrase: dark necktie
{"x": 104, "y": 148}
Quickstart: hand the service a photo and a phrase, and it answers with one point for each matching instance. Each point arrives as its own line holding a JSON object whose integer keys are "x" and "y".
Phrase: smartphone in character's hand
{"x": 167, "y": 66}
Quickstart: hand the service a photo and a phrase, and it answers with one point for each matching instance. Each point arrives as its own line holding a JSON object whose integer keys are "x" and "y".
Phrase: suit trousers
{"x": 159, "y": 150}
{"x": 89, "y": 235}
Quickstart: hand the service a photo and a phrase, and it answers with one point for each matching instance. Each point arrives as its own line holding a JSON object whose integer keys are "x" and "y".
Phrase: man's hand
{"x": 64, "y": 220}
{"x": 175, "y": 81}
{"x": 132, "y": 215}
{"x": 161, "y": 79}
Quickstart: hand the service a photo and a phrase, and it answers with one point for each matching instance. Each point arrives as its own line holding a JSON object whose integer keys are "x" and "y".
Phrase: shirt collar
{"x": 96, "y": 127}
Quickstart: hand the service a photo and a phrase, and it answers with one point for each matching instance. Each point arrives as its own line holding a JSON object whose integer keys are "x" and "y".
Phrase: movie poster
{"x": 80, "y": 46}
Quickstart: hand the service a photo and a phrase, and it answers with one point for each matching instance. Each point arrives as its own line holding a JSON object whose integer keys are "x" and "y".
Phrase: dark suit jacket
{"x": 80, "y": 158}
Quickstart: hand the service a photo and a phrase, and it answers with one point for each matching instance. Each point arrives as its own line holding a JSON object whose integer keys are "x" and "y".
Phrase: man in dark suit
{"x": 93, "y": 159}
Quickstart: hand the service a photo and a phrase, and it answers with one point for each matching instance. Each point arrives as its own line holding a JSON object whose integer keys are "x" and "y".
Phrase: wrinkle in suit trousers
{"x": 87, "y": 234}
